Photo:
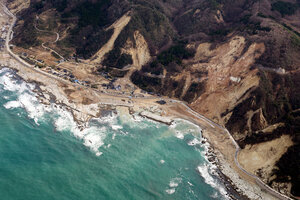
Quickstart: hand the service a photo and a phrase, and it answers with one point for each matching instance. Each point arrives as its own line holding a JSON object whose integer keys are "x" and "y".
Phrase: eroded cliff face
{"x": 138, "y": 49}
{"x": 229, "y": 75}
{"x": 236, "y": 62}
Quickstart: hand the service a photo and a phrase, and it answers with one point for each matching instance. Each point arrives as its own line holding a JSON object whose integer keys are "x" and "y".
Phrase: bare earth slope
{"x": 236, "y": 62}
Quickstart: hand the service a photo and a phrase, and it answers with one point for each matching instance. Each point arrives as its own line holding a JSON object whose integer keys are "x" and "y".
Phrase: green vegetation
{"x": 28, "y": 37}
{"x": 215, "y": 4}
{"x": 92, "y": 13}
{"x": 285, "y": 8}
{"x": 38, "y": 5}
{"x": 94, "y": 86}
{"x": 145, "y": 82}
{"x": 89, "y": 35}
{"x": 154, "y": 68}
{"x": 295, "y": 40}
{"x": 194, "y": 91}
{"x": 170, "y": 59}
{"x": 261, "y": 15}
{"x": 152, "y": 24}
{"x": 61, "y": 5}
{"x": 252, "y": 27}
{"x": 288, "y": 159}
{"x": 89, "y": 13}
{"x": 291, "y": 29}
{"x": 55, "y": 55}
{"x": 115, "y": 59}
{"x": 175, "y": 54}
{"x": 295, "y": 36}
{"x": 92, "y": 42}
{"x": 116, "y": 72}
{"x": 219, "y": 32}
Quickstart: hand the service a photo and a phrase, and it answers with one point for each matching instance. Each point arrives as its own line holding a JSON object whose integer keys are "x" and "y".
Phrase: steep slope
{"x": 235, "y": 61}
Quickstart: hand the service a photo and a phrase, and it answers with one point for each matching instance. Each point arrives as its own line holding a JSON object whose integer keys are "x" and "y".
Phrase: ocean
{"x": 43, "y": 155}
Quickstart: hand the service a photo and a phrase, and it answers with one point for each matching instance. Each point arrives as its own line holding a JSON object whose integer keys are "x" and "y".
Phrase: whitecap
{"x": 170, "y": 191}
{"x": 194, "y": 142}
{"x": 175, "y": 182}
{"x": 116, "y": 127}
{"x": 12, "y": 104}
{"x": 92, "y": 136}
{"x": 11, "y": 84}
{"x": 190, "y": 183}
{"x": 179, "y": 135}
{"x": 181, "y": 127}
{"x": 94, "y": 139}
{"x": 205, "y": 171}
{"x": 99, "y": 153}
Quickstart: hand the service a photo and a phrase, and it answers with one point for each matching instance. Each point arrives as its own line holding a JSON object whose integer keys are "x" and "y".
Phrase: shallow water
{"x": 44, "y": 156}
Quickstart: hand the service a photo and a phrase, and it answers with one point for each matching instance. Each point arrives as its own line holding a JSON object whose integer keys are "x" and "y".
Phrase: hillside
{"x": 236, "y": 62}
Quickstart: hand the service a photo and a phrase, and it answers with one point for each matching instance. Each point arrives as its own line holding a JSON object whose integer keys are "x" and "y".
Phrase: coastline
{"x": 82, "y": 114}
{"x": 85, "y": 104}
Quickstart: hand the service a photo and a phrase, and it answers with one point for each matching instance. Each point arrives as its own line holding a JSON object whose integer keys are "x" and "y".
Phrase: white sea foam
{"x": 92, "y": 136}
{"x": 137, "y": 121}
{"x": 26, "y": 98}
{"x": 206, "y": 171}
{"x": 110, "y": 119}
{"x": 170, "y": 191}
{"x": 181, "y": 127}
{"x": 116, "y": 127}
{"x": 194, "y": 142}
{"x": 12, "y": 104}
{"x": 11, "y": 84}
{"x": 174, "y": 182}
{"x": 179, "y": 135}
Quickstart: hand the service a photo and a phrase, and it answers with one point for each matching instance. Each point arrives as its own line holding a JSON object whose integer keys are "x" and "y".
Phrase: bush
{"x": 92, "y": 13}
{"x": 174, "y": 54}
{"x": 145, "y": 82}
{"x": 285, "y": 8}
{"x": 115, "y": 59}
{"x": 124, "y": 60}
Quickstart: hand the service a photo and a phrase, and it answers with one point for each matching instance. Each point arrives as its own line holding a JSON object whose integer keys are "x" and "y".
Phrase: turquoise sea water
{"x": 44, "y": 156}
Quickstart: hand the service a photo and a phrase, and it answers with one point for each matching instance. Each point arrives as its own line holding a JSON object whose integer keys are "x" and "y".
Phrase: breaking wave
{"x": 22, "y": 96}
{"x": 19, "y": 94}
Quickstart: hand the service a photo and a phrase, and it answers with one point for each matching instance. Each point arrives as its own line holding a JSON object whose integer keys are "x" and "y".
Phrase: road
{"x": 43, "y": 44}
{"x": 191, "y": 111}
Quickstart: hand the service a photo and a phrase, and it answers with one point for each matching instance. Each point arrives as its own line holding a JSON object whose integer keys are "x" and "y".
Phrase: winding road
{"x": 43, "y": 44}
{"x": 191, "y": 111}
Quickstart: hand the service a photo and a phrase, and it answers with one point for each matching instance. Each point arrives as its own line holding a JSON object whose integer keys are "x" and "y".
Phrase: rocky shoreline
{"x": 235, "y": 191}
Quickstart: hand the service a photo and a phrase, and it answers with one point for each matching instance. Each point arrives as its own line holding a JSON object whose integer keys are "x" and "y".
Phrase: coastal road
{"x": 190, "y": 110}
